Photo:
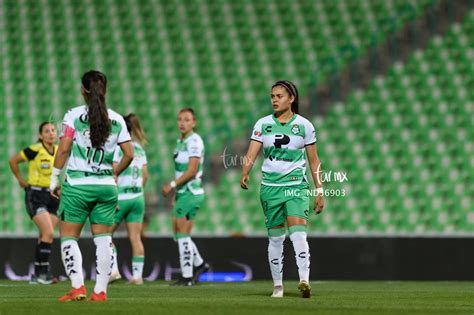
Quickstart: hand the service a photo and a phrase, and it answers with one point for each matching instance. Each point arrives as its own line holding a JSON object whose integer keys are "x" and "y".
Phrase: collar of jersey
{"x": 46, "y": 149}
{"x": 186, "y": 137}
{"x": 287, "y": 123}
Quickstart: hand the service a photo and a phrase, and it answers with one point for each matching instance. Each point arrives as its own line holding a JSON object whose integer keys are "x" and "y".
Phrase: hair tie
{"x": 286, "y": 86}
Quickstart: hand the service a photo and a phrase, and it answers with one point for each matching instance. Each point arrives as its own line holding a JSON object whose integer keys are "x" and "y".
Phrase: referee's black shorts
{"x": 38, "y": 199}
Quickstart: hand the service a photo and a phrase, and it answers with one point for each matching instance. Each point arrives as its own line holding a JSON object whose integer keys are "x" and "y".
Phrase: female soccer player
{"x": 131, "y": 202}
{"x": 41, "y": 206}
{"x": 188, "y": 158}
{"x": 90, "y": 136}
{"x": 287, "y": 138}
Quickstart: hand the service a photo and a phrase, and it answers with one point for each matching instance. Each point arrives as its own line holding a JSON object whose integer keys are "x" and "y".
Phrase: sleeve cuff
{"x": 23, "y": 155}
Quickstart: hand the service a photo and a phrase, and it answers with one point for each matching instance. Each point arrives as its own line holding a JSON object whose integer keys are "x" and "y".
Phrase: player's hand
{"x": 23, "y": 183}
{"x": 56, "y": 193}
{"x": 243, "y": 181}
{"x": 54, "y": 186}
{"x": 318, "y": 204}
{"x": 166, "y": 190}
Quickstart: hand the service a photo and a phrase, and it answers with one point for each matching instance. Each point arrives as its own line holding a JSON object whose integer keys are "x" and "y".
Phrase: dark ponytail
{"x": 293, "y": 91}
{"x": 135, "y": 128}
{"x": 95, "y": 86}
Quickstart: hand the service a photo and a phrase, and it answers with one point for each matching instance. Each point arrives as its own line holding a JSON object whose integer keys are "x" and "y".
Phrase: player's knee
{"x": 46, "y": 236}
{"x": 276, "y": 240}
{"x": 135, "y": 238}
{"x": 298, "y": 236}
{"x": 183, "y": 229}
{"x": 297, "y": 232}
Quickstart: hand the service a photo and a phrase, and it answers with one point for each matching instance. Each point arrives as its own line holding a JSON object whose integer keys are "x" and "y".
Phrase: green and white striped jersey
{"x": 88, "y": 165}
{"x": 284, "y": 149}
{"x": 191, "y": 146}
{"x": 130, "y": 182}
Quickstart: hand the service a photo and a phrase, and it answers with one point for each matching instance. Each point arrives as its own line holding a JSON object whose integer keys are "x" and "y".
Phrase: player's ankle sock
{"x": 137, "y": 266}
{"x": 197, "y": 259}
{"x": 44, "y": 253}
{"x": 185, "y": 255}
{"x": 72, "y": 259}
{"x": 276, "y": 238}
{"x": 301, "y": 247}
{"x": 115, "y": 267}
{"x": 103, "y": 243}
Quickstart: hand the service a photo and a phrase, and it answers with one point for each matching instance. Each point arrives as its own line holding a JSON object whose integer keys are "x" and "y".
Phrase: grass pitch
{"x": 338, "y": 297}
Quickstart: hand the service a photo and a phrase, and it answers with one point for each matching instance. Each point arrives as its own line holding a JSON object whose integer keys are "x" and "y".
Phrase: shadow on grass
{"x": 269, "y": 293}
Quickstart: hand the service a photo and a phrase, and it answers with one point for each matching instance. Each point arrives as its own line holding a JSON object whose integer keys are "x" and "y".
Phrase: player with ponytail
{"x": 90, "y": 135}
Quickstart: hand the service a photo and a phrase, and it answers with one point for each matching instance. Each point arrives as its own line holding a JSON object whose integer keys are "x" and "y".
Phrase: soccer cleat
{"x": 277, "y": 291}
{"x": 75, "y": 295}
{"x": 197, "y": 271}
{"x": 33, "y": 280}
{"x": 46, "y": 278}
{"x": 185, "y": 282}
{"x": 114, "y": 276}
{"x": 305, "y": 289}
{"x": 98, "y": 297}
{"x": 137, "y": 281}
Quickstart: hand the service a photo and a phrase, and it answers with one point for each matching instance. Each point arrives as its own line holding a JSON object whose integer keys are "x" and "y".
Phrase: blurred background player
{"x": 90, "y": 136}
{"x": 131, "y": 201}
{"x": 284, "y": 193}
{"x": 41, "y": 206}
{"x": 189, "y": 159}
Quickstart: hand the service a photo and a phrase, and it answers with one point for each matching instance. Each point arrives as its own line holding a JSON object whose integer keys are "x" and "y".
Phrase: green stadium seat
{"x": 160, "y": 56}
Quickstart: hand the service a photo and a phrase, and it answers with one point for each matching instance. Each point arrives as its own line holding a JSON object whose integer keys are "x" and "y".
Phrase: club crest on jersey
{"x": 295, "y": 129}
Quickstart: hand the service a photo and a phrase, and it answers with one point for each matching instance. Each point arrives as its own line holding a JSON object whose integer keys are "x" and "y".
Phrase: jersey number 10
{"x": 95, "y": 155}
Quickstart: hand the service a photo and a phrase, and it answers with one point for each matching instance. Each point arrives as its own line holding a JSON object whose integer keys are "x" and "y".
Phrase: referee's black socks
{"x": 43, "y": 251}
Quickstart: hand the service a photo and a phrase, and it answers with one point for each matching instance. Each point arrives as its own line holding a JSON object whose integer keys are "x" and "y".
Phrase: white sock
{"x": 137, "y": 266}
{"x": 115, "y": 267}
{"x": 300, "y": 244}
{"x": 275, "y": 258}
{"x": 186, "y": 256}
{"x": 104, "y": 262}
{"x": 72, "y": 259}
{"x": 197, "y": 259}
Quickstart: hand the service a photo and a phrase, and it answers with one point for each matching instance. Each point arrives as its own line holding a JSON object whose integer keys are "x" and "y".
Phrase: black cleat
{"x": 197, "y": 271}
{"x": 185, "y": 282}
{"x": 305, "y": 289}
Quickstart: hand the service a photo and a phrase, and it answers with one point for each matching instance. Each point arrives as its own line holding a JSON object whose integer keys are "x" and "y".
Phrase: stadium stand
{"x": 160, "y": 56}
